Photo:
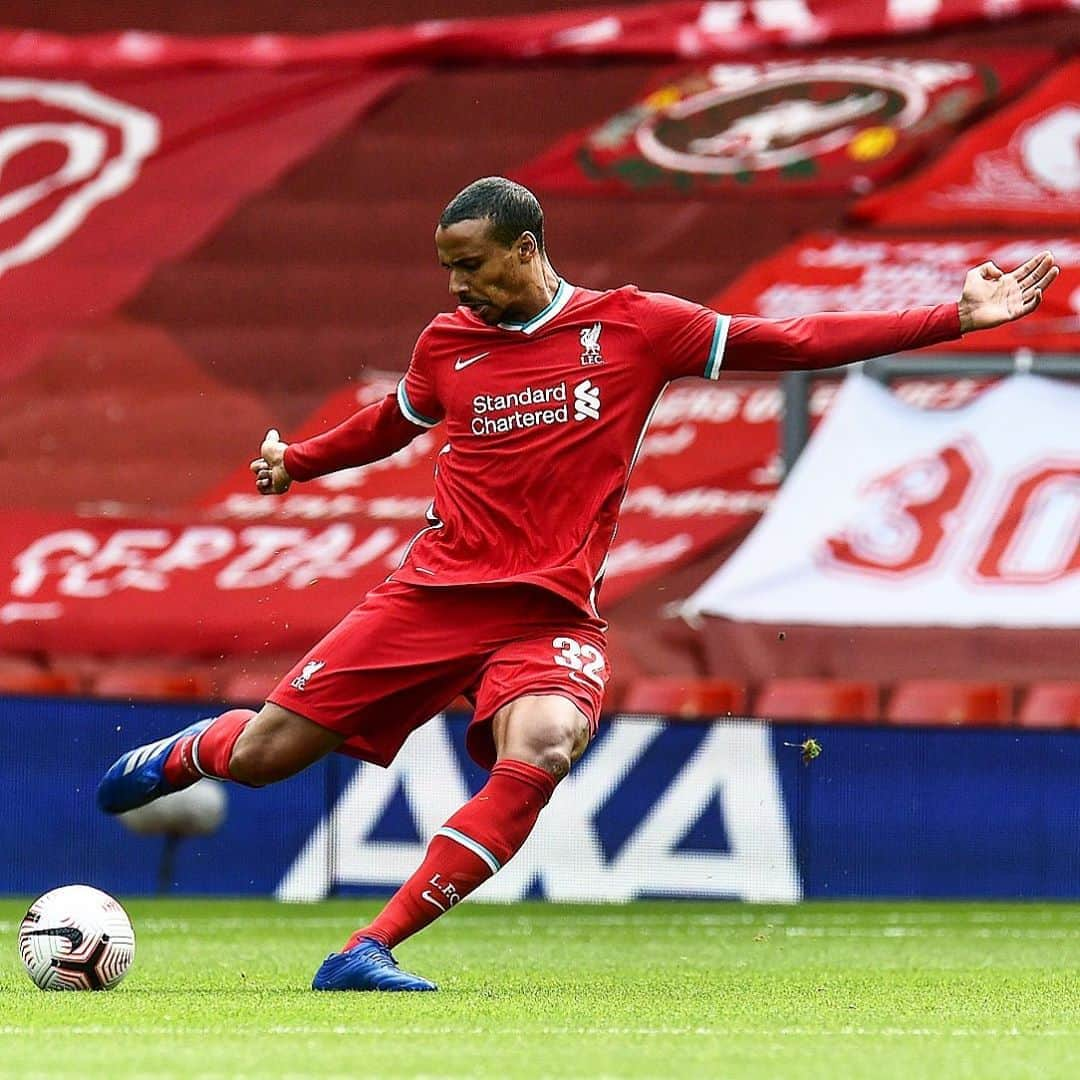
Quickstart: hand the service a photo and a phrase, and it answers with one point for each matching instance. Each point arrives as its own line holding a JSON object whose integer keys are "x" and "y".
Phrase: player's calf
{"x": 275, "y": 745}
{"x": 171, "y": 764}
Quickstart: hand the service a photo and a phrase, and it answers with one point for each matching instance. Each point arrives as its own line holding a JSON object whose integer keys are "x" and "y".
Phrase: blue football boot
{"x": 135, "y": 778}
{"x": 366, "y": 966}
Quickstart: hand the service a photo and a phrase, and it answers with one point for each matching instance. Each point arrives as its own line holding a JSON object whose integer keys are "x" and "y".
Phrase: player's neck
{"x": 537, "y": 297}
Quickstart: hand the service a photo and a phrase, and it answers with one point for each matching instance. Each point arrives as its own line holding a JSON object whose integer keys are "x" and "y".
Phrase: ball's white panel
{"x": 76, "y": 938}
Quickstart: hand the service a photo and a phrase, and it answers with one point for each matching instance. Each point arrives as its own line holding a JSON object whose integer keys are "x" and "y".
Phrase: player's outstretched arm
{"x": 990, "y": 297}
{"x": 373, "y": 432}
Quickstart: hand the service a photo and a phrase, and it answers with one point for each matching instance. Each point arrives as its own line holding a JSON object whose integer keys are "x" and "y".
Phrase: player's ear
{"x": 526, "y": 246}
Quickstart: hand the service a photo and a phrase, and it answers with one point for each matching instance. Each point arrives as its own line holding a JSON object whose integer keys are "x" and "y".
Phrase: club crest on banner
{"x": 822, "y": 124}
{"x": 66, "y": 148}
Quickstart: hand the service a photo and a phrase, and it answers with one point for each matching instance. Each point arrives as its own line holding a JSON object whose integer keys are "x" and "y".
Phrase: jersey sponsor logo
{"x": 586, "y": 401}
{"x": 310, "y": 668}
{"x": 519, "y": 410}
{"x": 590, "y": 345}
{"x": 460, "y": 365}
{"x": 497, "y": 414}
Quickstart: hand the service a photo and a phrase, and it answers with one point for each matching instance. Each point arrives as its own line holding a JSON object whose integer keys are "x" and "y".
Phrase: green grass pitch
{"x": 840, "y": 990}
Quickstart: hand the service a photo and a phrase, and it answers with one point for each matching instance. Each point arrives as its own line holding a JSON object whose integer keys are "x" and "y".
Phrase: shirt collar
{"x": 559, "y": 301}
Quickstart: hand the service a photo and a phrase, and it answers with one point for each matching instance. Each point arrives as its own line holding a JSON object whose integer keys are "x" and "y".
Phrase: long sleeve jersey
{"x": 544, "y": 419}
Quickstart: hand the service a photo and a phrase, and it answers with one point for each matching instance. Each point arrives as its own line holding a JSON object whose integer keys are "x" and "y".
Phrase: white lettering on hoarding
{"x": 634, "y": 555}
{"x": 79, "y": 564}
{"x": 731, "y": 771}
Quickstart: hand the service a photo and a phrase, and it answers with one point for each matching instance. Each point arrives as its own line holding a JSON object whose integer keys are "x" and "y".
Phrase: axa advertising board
{"x": 655, "y": 808}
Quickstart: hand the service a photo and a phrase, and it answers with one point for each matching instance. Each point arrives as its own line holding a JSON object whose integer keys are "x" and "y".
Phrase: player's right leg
{"x": 250, "y": 748}
{"x": 377, "y": 675}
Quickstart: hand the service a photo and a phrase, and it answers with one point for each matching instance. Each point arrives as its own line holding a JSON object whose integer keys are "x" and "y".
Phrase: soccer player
{"x": 546, "y": 389}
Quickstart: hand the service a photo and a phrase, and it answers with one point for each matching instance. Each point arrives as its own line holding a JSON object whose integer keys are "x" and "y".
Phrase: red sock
{"x": 476, "y": 842}
{"x": 208, "y": 753}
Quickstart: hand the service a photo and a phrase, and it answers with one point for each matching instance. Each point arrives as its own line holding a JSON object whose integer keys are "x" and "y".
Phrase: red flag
{"x": 862, "y": 271}
{"x": 675, "y": 29}
{"x": 104, "y": 177}
{"x": 1019, "y": 168}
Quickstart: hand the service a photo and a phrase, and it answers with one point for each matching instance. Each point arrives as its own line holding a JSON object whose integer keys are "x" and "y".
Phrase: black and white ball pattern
{"x": 76, "y": 938}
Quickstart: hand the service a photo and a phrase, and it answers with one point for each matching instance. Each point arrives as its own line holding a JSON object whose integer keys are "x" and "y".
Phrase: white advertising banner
{"x": 899, "y": 516}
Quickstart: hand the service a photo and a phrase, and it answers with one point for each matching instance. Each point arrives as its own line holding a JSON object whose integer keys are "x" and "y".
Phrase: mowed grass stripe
{"x": 151, "y": 1031}
{"x": 818, "y": 991}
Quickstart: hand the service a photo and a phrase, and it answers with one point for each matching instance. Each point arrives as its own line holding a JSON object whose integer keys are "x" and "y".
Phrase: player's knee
{"x": 555, "y": 760}
{"x": 544, "y": 732}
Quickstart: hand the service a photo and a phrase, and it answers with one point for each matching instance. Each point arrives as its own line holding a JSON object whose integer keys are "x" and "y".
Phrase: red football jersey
{"x": 544, "y": 420}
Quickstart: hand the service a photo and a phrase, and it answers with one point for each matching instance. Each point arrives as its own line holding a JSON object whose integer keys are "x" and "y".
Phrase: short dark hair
{"x": 511, "y": 209}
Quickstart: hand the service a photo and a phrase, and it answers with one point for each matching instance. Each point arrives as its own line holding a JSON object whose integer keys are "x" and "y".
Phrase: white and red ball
{"x": 76, "y": 938}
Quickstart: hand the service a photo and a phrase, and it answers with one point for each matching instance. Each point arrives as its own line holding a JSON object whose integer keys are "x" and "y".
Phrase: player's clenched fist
{"x": 269, "y": 467}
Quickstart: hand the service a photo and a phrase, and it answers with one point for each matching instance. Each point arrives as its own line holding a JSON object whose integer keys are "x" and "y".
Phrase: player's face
{"x": 486, "y": 276}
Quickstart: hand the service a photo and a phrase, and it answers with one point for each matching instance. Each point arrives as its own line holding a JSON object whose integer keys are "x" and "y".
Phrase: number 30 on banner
{"x": 913, "y": 513}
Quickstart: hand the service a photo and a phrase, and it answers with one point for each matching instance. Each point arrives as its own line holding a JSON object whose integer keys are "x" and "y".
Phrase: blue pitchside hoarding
{"x": 655, "y": 809}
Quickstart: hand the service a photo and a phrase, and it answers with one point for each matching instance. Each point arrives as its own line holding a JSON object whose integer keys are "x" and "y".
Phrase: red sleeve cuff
{"x": 950, "y": 316}
{"x": 293, "y": 466}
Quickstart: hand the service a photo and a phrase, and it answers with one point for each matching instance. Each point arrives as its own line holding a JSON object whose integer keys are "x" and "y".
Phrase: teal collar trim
{"x": 558, "y": 302}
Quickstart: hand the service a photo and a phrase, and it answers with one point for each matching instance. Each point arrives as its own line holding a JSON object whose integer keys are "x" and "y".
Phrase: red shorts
{"x": 406, "y": 651}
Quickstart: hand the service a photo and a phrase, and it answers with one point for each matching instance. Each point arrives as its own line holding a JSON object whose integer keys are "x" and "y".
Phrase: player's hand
{"x": 269, "y": 467}
{"x": 992, "y": 297}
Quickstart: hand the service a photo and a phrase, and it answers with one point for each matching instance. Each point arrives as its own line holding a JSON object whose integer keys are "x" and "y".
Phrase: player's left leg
{"x": 251, "y": 748}
{"x": 538, "y": 696}
{"x": 537, "y": 738}
{"x": 328, "y": 696}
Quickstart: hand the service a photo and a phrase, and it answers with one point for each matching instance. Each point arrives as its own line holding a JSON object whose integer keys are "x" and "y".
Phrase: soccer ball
{"x": 76, "y": 938}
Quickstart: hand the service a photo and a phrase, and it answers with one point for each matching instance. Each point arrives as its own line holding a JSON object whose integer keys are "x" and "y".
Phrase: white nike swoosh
{"x": 459, "y": 363}
{"x": 425, "y": 895}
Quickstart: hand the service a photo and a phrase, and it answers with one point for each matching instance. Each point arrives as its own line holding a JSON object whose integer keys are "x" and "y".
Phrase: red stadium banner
{"x": 822, "y": 124}
{"x": 396, "y": 489}
{"x": 243, "y": 573}
{"x": 706, "y": 470}
{"x": 1020, "y": 168}
{"x": 896, "y": 517}
{"x": 103, "y": 177}
{"x": 861, "y": 271}
{"x": 683, "y": 29}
